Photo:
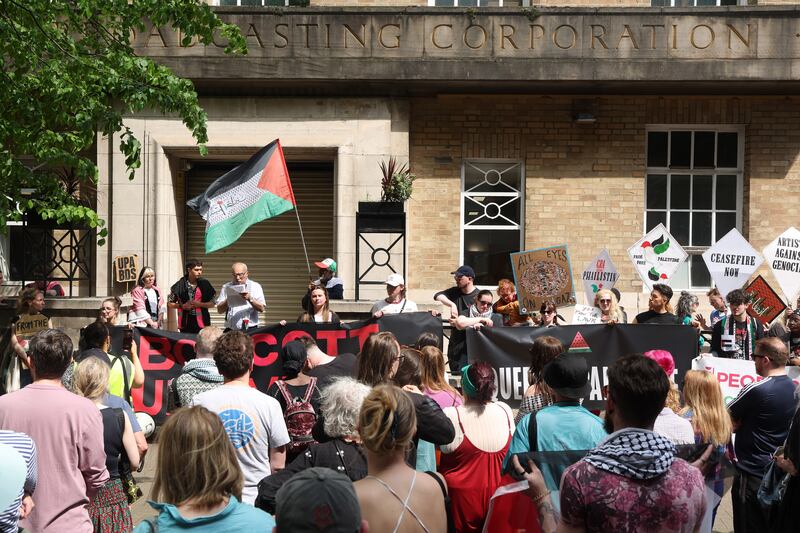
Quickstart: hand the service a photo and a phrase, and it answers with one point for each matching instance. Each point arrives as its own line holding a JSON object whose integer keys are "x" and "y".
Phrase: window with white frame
{"x": 492, "y": 211}
{"x": 257, "y": 3}
{"x": 478, "y": 3}
{"x": 694, "y": 187}
{"x": 697, "y": 3}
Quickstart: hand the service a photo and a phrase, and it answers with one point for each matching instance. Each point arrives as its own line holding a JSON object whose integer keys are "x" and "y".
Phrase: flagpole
{"x": 303, "y": 239}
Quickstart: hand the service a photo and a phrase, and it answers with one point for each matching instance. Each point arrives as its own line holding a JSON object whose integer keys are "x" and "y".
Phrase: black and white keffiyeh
{"x": 474, "y": 313}
{"x": 633, "y": 453}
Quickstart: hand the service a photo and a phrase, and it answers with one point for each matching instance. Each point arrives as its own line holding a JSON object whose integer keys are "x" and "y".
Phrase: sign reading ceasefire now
{"x": 453, "y": 34}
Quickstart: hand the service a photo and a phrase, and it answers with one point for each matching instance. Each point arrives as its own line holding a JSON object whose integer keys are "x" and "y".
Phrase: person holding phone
{"x": 241, "y": 299}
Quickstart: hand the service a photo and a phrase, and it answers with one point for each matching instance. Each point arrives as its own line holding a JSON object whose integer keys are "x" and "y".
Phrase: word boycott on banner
{"x": 507, "y": 351}
{"x": 163, "y": 353}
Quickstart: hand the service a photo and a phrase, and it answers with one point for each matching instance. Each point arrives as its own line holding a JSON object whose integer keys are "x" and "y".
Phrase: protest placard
{"x": 764, "y": 303}
{"x": 126, "y": 268}
{"x": 541, "y": 275}
{"x": 656, "y": 256}
{"x": 586, "y": 314}
{"x": 28, "y": 325}
{"x": 600, "y": 273}
{"x": 731, "y": 261}
{"x": 783, "y": 255}
{"x": 734, "y": 374}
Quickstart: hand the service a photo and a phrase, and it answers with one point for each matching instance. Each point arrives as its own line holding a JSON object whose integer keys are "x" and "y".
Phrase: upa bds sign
{"x": 126, "y": 268}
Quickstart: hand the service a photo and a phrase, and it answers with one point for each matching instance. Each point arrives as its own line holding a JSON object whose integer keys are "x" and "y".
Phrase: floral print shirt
{"x": 601, "y": 501}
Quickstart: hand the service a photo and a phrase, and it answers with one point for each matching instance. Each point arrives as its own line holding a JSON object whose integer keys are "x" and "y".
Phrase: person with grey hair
{"x": 198, "y": 375}
{"x": 686, "y": 309}
{"x": 341, "y": 404}
{"x": 241, "y": 299}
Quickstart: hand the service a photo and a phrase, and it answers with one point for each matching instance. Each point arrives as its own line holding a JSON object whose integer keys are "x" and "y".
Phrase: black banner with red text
{"x": 506, "y": 349}
{"x": 163, "y": 353}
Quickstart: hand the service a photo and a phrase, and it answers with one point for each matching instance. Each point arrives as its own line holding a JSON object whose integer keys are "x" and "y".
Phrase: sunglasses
{"x": 483, "y": 302}
{"x": 604, "y": 301}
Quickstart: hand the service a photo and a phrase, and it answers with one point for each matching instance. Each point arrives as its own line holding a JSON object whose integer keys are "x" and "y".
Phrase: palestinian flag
{"x": 254, "y": 191}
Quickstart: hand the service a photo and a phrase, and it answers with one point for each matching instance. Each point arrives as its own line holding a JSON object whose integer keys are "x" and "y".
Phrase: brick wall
{"x": 585, "y": 183}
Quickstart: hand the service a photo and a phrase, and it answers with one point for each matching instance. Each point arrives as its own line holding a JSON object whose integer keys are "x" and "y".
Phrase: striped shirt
{"x": 9, "y": 517}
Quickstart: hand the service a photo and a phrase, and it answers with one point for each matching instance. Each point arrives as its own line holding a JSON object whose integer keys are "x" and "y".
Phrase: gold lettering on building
{"x": 253, "y": 32}
{"x": 507, "y": 36}
{"x": 534, "y": 37}
{"x": 709, "y": 35}
{"x": 155, "y": 31}
{"x": 360, "y": 38}
{"x": 435, "y": 40}
{"x": 598, "y": 37}
{"x": 482, "y": 36}
{"x": 283, "y": 36}
{"x": 733, "y": 31}
{"x": 653, "y": 28}
{"x": 556, "y": 40}
{"x": 395, "y": 36}
{"x": 627, "y": 34}
{"x": 306, "y": 27}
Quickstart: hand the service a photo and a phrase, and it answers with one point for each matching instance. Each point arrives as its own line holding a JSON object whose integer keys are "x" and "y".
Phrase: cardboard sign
{"x": 126, "y": 268}
{"x": 783, "y": 255}
{"x": 29, "y": 325}
{"x": 541, "y": 275}
{"x": 586, "y": 314}
{"x": 600, "y": 273}
{"x": 731, "y": 262}
{"x": 656, "y": 256}
{"x": 764, "y": 303}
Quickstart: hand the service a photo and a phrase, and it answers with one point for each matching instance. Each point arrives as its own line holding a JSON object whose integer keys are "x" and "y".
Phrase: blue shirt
{"x": 24, "y": 445}
{"x": 561, "y": 426}
{"x": 236, "y": 517}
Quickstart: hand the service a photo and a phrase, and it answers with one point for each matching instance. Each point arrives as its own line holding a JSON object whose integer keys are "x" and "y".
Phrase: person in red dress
{"x": 472, "y": 464}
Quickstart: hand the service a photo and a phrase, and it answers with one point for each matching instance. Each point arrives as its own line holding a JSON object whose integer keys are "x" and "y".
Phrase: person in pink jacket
{"x": 149, "y": 306}
{"x": 68, "y": 432}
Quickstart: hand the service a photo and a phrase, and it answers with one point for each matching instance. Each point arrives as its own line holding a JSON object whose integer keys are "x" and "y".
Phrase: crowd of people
{"x": 383, "y": 440}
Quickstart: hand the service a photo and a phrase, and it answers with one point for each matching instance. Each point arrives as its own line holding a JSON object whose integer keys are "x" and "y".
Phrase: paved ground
{"x": 140, "y": 509}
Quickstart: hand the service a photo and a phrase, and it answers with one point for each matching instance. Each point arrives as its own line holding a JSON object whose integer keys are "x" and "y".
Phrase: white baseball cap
{"x": 395, "y": 279}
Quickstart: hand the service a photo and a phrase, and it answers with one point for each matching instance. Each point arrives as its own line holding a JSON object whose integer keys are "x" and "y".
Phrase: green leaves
{"x": 69, "y": 72}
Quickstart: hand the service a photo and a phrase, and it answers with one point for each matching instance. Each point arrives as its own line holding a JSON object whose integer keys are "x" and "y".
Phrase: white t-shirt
{"x": 236, "y": 313}
{"x": 394, "y": 308}
{"x": 152, "y": 298}
{"x": 254, "y": 422}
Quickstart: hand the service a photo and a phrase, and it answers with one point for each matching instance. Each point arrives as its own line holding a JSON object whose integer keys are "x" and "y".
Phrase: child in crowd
{"x": 508, "y": 306}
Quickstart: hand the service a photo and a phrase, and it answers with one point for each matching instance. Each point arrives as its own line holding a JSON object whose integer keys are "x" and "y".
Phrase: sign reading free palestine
{"x": 783, "y": 255}
{"x": 656, "y": 256}
{"x": 731, "y": 261}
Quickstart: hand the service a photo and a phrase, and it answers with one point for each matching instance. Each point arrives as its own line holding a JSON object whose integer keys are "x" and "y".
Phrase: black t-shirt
{"x": 651, "y": 317}
{"x": 343, "y": 365}
{"x": 740, "y": 330}
{"x": 181, "y": 293}
{"x": 457, "y": 348}
{"x": 764, "y": 410}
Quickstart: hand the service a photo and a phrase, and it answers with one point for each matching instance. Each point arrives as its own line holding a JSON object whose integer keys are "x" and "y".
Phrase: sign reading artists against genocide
{"x": 783, "y": 255}
{"x": 731, "y": 261}
{"x": 600, "y": 273}
{"x": 541, "y": 275}
{"x": 763, "y": 302}
{"x": 656, "y": 256}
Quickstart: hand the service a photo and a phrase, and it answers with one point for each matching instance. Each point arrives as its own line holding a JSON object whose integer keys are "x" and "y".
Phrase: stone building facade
{"x": 602, "y": 117}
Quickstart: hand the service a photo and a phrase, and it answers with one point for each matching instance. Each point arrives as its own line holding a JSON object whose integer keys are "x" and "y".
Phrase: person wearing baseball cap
{"x": 318, "y": 499}
{"x": 396, "y": 301}
{"x": 327, "y": 272}
{"x": 564, "y": 425}
{"x": 459, "y": 299}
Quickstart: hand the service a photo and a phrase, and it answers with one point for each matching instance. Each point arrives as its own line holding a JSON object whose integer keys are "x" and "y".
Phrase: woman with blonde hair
{"x": 198, "y": 481}
{"x": 109, "y": 509}
{"x": 149, "y": 306}
{"x": 610, "y": 313}
{"x": 434, "y": 384}
{"x": 394, "y": 497}
{"x": 109, "y": 312}
{"x": 705, "y": 409}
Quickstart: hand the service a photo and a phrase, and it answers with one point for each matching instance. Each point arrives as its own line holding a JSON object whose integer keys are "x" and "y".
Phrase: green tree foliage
{"x": 68, "y": 72}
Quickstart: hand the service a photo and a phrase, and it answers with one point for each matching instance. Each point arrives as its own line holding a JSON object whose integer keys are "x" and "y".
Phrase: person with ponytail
{"x": 395, "y": 497}
{"x": 472, "y": 464}
{"x": 298, "y": 395}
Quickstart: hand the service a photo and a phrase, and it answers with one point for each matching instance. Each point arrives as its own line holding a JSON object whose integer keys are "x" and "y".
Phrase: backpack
{"x": 300, "y": 416}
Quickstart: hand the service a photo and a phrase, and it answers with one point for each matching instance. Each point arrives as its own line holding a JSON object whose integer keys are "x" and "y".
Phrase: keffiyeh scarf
{"x": 633, "y": 453}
